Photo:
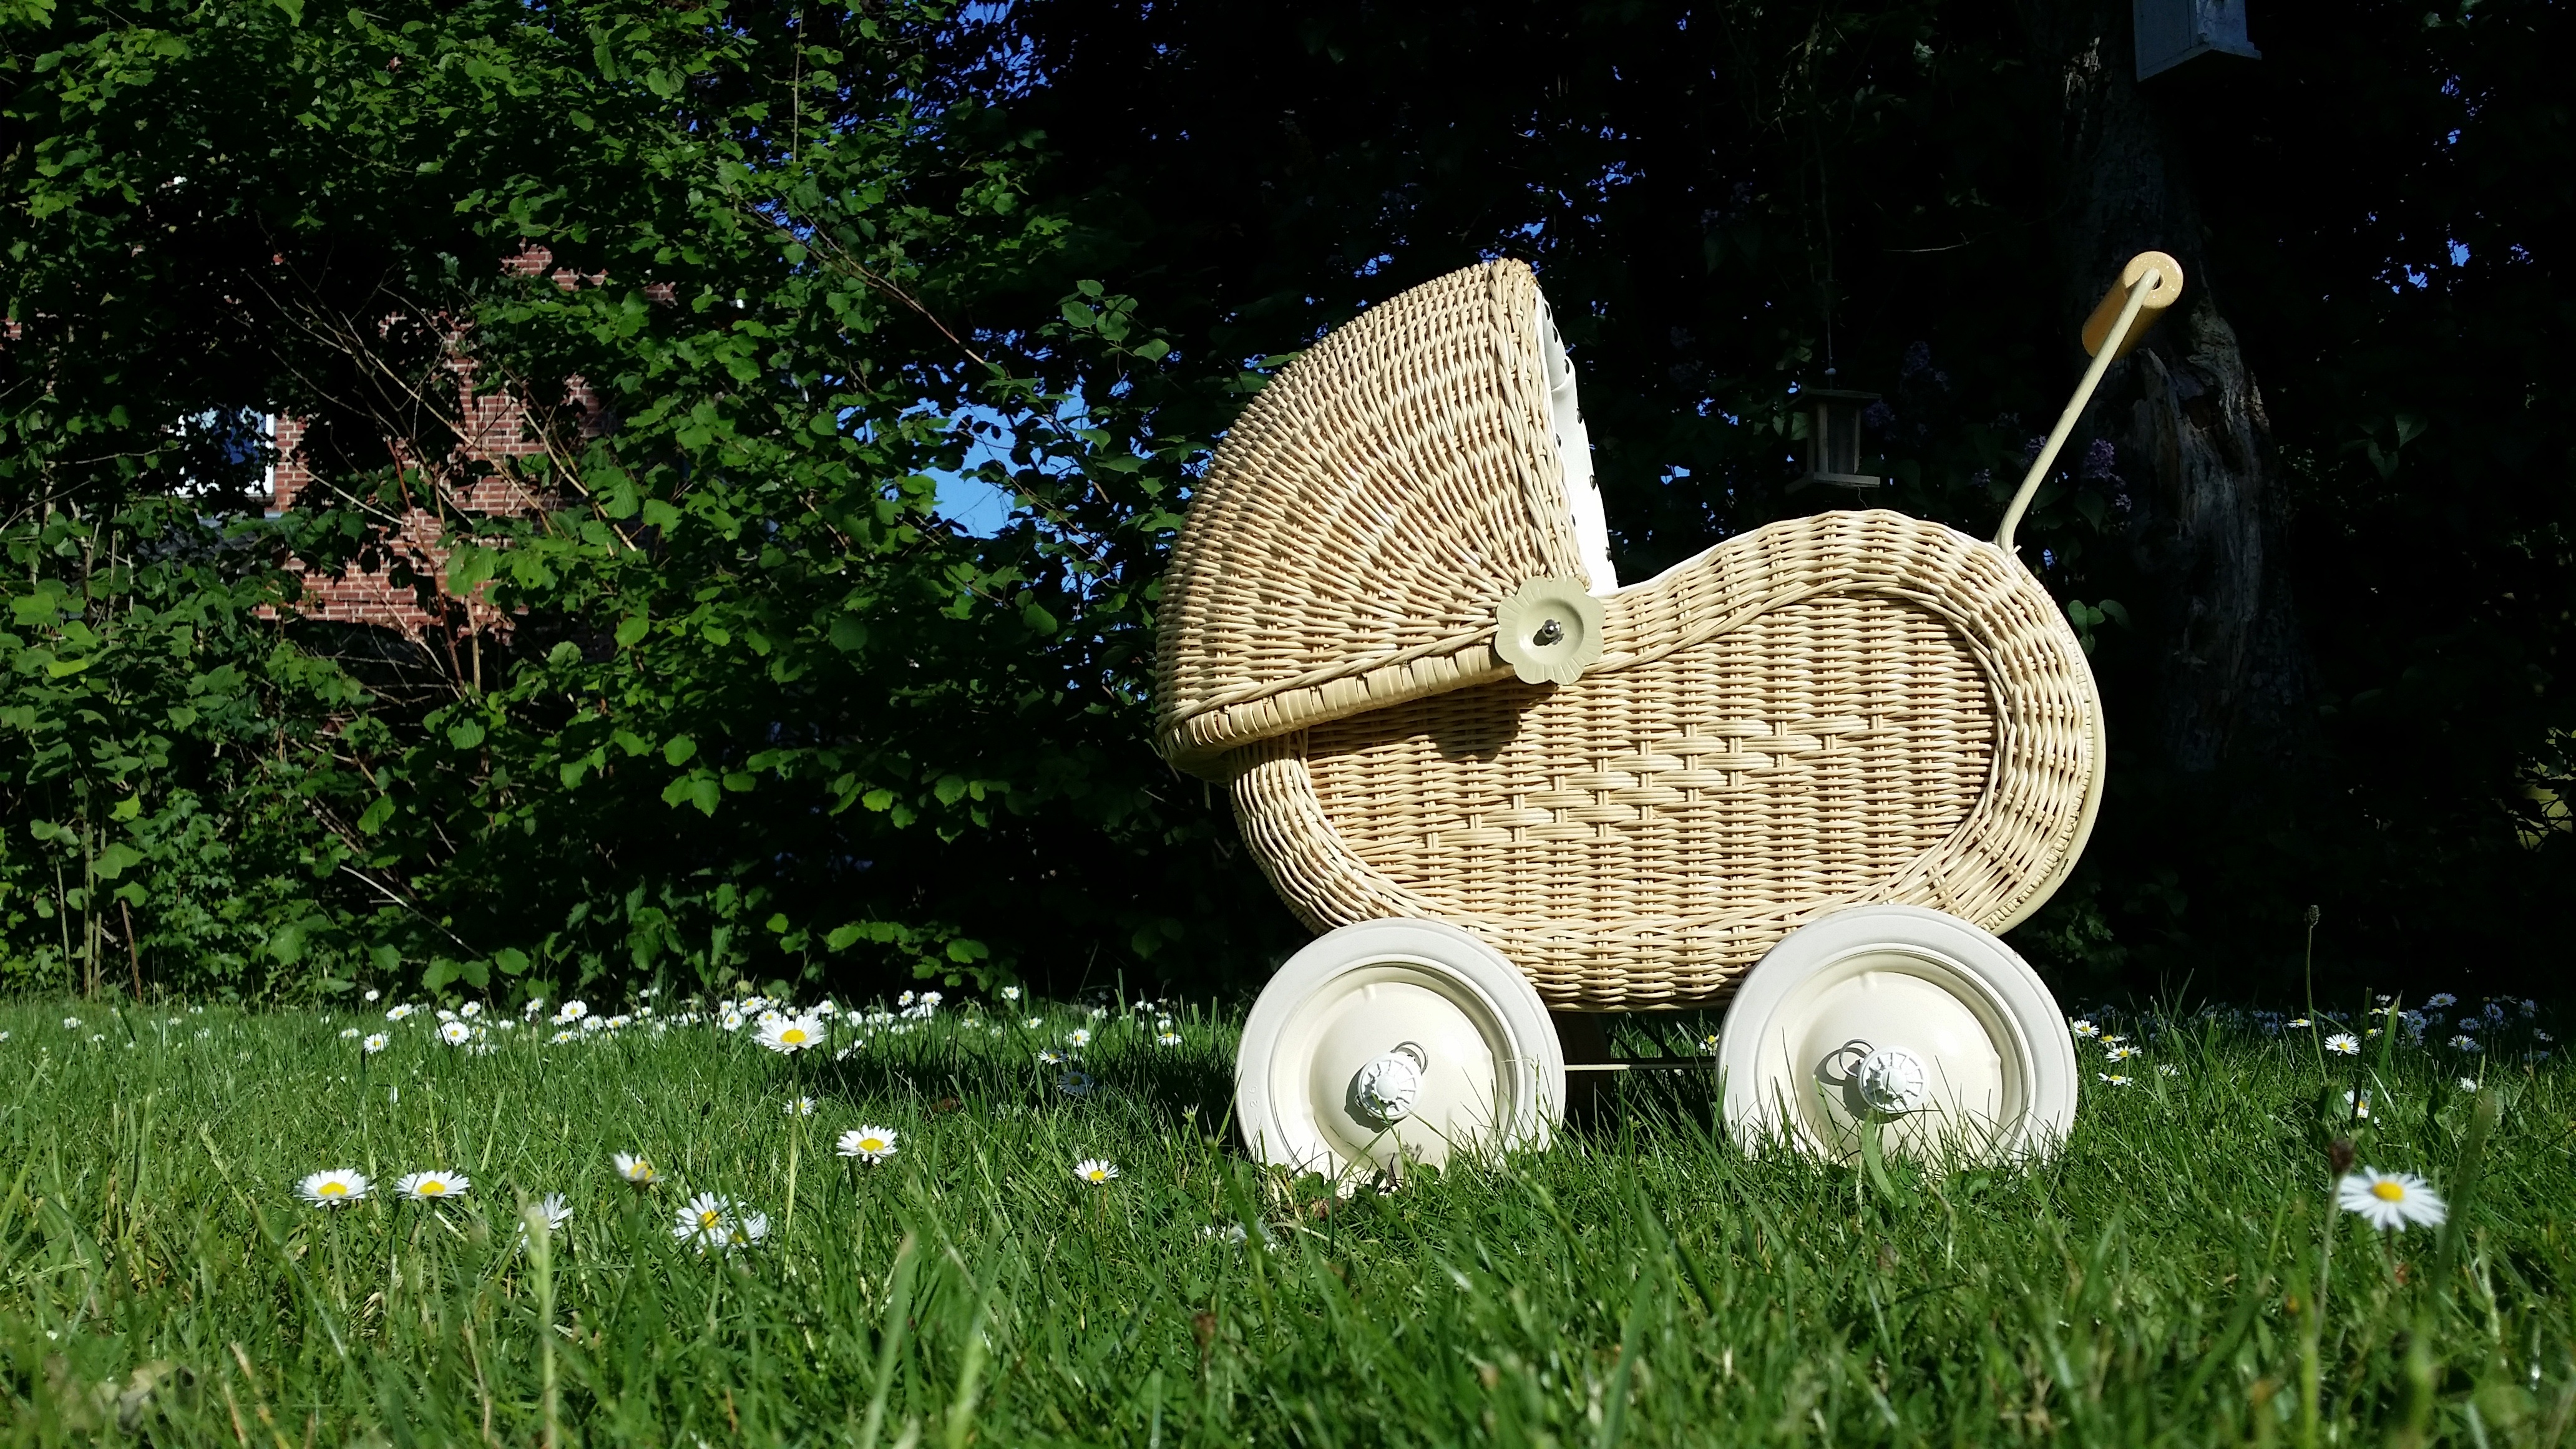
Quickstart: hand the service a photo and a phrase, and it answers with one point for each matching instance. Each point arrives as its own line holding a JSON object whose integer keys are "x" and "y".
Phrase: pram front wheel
{"x": 1395, "y": 1038}
{"x": 1904, "y": 1019}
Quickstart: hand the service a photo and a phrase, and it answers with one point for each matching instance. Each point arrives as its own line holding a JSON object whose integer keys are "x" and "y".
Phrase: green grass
{"x": 1641, "y": 1282}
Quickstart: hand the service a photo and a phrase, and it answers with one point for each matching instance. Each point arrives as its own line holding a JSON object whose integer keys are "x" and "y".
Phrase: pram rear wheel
{"x": 1397, "y": 1038}
{"x": 1906, "y": 1021}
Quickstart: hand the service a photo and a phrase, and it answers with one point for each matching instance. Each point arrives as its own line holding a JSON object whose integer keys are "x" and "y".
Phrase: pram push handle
{"x": 2147, "y": 286}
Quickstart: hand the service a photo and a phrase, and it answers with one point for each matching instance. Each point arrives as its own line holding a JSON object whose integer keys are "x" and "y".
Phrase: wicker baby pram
{"x": 1391, "y": 627}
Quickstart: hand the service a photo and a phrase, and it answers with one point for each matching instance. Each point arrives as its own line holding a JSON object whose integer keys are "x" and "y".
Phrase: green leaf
{"x": 469, "y": 568}
{"x": 631, "y": 630}
{"x": 379, "y": 811}
{"x": 705, "y": 792}
{"x": 116, "y": 860}
{"x": 679, "y": 749}
{"x": 849, "y": 635}
{"x": 294, "y": 10}
{"x": 465, "y": 734}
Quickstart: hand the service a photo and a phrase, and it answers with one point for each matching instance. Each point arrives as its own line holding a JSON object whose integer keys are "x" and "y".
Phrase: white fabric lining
{"x": 1574, "y": 459}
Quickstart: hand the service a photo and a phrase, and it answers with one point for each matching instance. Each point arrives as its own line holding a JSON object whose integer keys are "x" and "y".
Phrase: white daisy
{"x": 1074, "y": 1083}
{"x": 455, "y": 1033}
{"x": 1034, "y": 1022}
{"x": 800, "y": 1107}
{"x": 1049, "y": 1059}
{"x": 635, "y": 1169}
{"x": 2119, "y": 1053}
{"x": 338, "y": 1187}
{"x": 2168, "y": 1069}
{"x": 592, "y": 1023}
{"x": 2390, "y": 1200}
{"x": 349, "y": 1033}
{"x": 565, "y": 1035}
{"x": 432, "y": 1186}
{"x": 71, "y": 1023}
{"x": 2299, "y": 1021}
{"x": 905, "y": 1000}
{"x": 1078, "y": 1038}
{"x": 556, "y": 1213}
{"x": 371, "y": 994}
{"x": 787, "y": 1036}
{"x": 1094, "y": 1170}
{"x": 399, "y": 1011}
{"x": 534, "y": 1005}
{"x": 2357, "y": 1104}
{"x": 730, "y": 1021}
{"x": 470, "y": 1010}
{"x": 376, "y": 1042}
{"x": 571, "y": 1011}
{"x": 446, "y": 1015}
{"x": 2343, "y": 1044}
{"x": 1010, "y": 993}
{"x": 747, "y": 1231}
{"x": 2113, "y": 1078}
{"x": 2465, "y": 1043}
{"x": 2081, "y": 1027}
{"x": 2441, "y": 998}
{"x": 869, "y": 1144}
{"x": 1169, "y": 1039}
{"x": 703, "y": 1220}
{"x": 2468, "y": 1084}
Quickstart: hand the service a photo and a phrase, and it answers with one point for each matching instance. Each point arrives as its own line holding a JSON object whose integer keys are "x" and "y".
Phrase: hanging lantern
{"x": 1833, "y": 438}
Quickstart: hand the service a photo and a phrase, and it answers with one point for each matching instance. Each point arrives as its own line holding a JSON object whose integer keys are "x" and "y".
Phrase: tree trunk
{"x": 2184, "y": 412}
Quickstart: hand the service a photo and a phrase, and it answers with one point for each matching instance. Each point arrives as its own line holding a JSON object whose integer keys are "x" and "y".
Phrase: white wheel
{"x": 1909, "y": 1018}
{"x": 1391, "y": 1038}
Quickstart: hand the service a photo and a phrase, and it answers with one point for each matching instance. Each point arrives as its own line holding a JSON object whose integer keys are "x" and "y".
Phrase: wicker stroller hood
{"x": 1365, "y": 516}
{"x": 1838, "y": 710}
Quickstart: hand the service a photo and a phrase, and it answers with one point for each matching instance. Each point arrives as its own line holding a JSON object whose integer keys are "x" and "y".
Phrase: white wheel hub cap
{"x": 1391, "y": 1039}
{"x": 1893, "y": 1079}
{"x": 1388, "y": 1087}
{"x": 1901, "y": 1020}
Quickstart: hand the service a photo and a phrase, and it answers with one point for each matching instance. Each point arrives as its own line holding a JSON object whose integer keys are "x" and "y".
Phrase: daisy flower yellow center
{"x": 333, "y": 1189}
{"x": 432, "y": 1188}
{"x": 708, "y": 1217}
{"x": 794, "y": 1036}
{"x": 872, "y": 1144}
{"x": 2387, "y": 1191}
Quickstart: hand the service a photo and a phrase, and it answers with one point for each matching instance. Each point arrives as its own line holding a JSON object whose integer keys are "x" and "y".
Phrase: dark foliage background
{"x": 767, "y": 715}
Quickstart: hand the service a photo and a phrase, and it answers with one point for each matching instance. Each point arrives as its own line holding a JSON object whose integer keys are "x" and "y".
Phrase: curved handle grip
{"x": 2147, "y": 286}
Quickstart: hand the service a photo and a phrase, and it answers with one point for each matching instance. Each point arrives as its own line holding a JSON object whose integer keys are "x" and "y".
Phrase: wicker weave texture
{"x": 1837, "y": 710}
{"x": 1362, "y": 520}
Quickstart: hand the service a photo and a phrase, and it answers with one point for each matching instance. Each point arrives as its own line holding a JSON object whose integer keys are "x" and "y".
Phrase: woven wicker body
{"x": 1838, "y": 710}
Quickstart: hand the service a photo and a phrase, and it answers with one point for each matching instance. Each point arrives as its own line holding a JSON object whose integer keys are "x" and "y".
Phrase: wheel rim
{"x": 1905, "y": 1023}
{"x": 1395, "y": 1040}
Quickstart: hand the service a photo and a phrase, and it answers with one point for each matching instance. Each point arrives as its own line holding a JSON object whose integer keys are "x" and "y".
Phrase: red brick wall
{"x": 494, "y": 430}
